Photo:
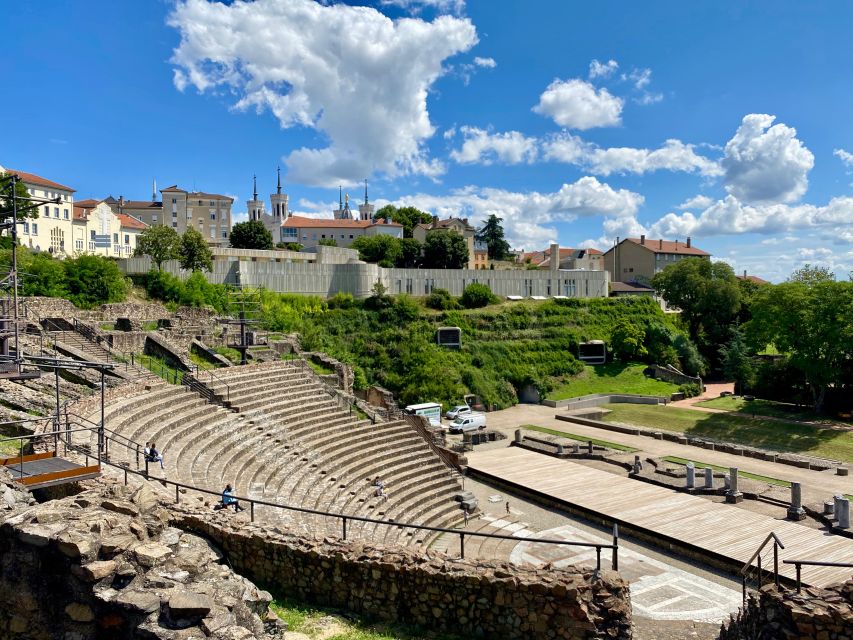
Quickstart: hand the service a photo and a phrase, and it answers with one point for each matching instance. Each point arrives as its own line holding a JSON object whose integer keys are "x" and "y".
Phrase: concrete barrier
{"x": 596, "y": 399}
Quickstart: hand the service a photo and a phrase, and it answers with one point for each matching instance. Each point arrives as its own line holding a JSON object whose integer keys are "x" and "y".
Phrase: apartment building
{"x": 639, "y": 259}
{"x": 51, "y": 230}
{"x": 586, "y": 259}
{"x": 460, "y": 226}
{"x": 97, "y": 230}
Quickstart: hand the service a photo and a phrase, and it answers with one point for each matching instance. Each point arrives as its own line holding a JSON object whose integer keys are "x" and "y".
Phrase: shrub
{"x": 195, "y": 292}
{"x": 477, "y": 295}
{"x": 441, "y": 300}
{"x": 626, "y": 340}
{"x": 94, "y": 280}
{"x": 690, "y": 390}
{"x": 341, "y": 301}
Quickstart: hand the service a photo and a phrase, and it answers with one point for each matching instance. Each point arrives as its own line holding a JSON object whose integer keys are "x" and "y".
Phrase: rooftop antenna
{"x": 278, "y": 187}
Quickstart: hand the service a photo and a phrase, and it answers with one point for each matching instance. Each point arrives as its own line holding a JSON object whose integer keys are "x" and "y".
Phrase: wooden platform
{"x": 41, "y": 470}
{"x": 718, "y": 531}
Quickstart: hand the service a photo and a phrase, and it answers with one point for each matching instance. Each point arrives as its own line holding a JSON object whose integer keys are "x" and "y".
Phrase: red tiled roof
{"x": 668, "y": 246}
{"x": 89, "y": 203}
{"x": 32, "y": 178}
{"x": 300, "y": 222}
{"x": 129, "y": 222}
{"x": 81, "y": 213}
{"x": 754, "y": 279}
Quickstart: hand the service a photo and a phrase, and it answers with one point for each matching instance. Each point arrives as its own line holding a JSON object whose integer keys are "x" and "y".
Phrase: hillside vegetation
{"x": 391, "y": 341}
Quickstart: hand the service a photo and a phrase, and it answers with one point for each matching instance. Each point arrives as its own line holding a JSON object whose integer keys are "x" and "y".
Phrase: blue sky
{"x": 721, "y": 121}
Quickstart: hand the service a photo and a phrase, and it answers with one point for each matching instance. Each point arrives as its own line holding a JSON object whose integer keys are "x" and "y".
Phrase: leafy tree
{"x": 328, "y": 242}
{"x": 406, "y": 216}
{"x": 708, "y": 295}
{"x": 41, "y": 275}
{"x": 383, "y": 249}
{"x": 492, "y": 234}
{"x": 626, "y": 340}
{"x": 251, "y": 235}
{"x": 289, "y": 246}
{"x": 477, "y": 295}
{"x": 195, "y": 254}
{"x": 93, "y": 280}
{"x": 410, "y": 253}
{"x": 737, "y": 362}
{"x": 160, "y": 242}
{"x": 810, "y": 275}
{"x": 23, "y": 199}
{"x": 445, "y": 250}
{"x": 811, "y": 319}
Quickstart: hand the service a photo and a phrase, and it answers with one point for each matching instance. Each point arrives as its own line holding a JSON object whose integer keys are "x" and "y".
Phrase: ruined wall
{"x": 821, "y": 614}
{"x": 492, "y": 600}
{"x": 104, "y": 564}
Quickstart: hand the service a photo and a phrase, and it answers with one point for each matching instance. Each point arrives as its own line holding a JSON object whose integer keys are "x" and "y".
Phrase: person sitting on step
{"x": 154, "y": 455}
{"x": 377, "y": 482}
{"x": 228, "y": 500}
{"x": 380, "y": 493}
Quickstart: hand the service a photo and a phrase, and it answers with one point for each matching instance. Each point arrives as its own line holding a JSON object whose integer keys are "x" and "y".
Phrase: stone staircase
{"x": 286, "y": 440}
{"x": 81, "y": 348}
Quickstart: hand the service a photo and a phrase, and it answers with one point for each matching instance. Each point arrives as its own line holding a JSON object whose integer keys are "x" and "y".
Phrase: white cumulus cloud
{"x": 602, "y": 69}
{"x": 336, "y": 69}
{"x": 674, "y": 155}
{"x": 576, "y": 104}
{"x": 845, "y": 156}
{"x": 488, "y": 63}
{"x": 766, "y": 163}
{"x": 483, "y": 147}
{"x": 416, "y": 6}
{"x": 696, "y": 202}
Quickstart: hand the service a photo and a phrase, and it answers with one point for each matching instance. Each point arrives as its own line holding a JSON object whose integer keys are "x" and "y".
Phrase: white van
{"x": 470, "y": 422}
{"x": 429, "y": 410}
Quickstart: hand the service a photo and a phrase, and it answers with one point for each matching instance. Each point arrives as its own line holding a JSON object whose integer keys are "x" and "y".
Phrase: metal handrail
{"x": 747, "y": 568}
{"x": 798, "y": 565}
{"x": 345, "y": 518}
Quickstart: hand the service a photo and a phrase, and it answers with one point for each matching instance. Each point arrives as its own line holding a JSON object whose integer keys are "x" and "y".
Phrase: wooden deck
{"x": 40, "y": 470}
{"x": 730, "y": 533}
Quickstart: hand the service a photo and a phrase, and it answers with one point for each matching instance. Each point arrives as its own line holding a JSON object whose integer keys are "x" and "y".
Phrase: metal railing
{"x": 345, "y": 519}
{"x": 748, "y": 570}
{"x": 798, "y": 566}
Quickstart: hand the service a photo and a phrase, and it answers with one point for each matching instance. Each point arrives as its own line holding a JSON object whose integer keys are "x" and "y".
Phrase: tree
{"x": 737, "y": 362}
{"x": 445, "y": 250}
{"x": 708, "y": 295}
{"x": 626, "y": 341}
{"x": 410, "y": 253}
{"x": 383, "y": 249}
{"x": 23, "y": 199}
{"x": 811, "y": 320}
{"x": 289, "y": 246}
{"x": 328, "y": 242}
{"x": 492, "y": 234}
{"x": 810, "y": 275}
{"x": 41, "y": 275}
{"x": 160, "y": 242}
{"x": 195, "y": 254}
{"x": 93, "y": 280}
{"x": 406, "y": 216}
{"x": 251, "y": 235}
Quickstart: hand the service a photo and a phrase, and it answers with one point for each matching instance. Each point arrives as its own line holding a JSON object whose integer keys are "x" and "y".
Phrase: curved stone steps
{"x": 259, "y": 399}
{"x": 300, "y": 418}
{"x": 180, "y": 409}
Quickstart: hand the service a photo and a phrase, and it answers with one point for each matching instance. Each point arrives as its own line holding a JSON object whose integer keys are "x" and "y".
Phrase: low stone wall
{"x": 342, "y": 378}
{"x": 135, "y": 310}
{"x": 815, "y": 614}
{"x": 671, "y": 374}
{"x": 395, "y": 584}
{"x": 125, "y": 341}
{"x": 596, "y": 399}
{"x": 159, "y": 346}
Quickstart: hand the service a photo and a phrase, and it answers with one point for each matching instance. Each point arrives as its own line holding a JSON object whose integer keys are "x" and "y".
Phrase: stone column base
{"x": 734, "y": 497}
{"x": 796, "y": 513}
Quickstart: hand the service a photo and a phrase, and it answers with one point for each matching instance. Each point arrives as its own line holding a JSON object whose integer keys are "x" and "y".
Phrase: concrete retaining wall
{"x": 596, "y": 399}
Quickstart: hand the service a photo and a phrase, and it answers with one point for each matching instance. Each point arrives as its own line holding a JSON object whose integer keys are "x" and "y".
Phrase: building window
{"x": 313, "y": 236}
{"x": 35, "y": 229}
{"x": 154, "y": 218}
{"x": 174, "y": 200}
{"x": 289, "y": 232}
{"x": 115, "y": 238}
{"x": 47, "y": 212}
{"x": 78, "y": 244}
{"x": 174, "y": 214}
{"x": 91, "y": 234}
{"x": 174, "y": 225}
{"x": 224, "y": 234}
{"x": 212, "y": 233}
{"x": 213, "y": 215}
{"x": 26, "y": 228}
{"x": 56, "y": 212}
{"x": 126, "y": 238}
{"x": 350, "y": 236}
{"x": 322, "y": 235}
{"x": 65, "y": 213}
{"x": 211, "y": 203}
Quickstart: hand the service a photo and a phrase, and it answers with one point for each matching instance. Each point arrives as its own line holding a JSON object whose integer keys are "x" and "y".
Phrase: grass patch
{"x": 320, "y": 368}
{"x": 764, "y": 408}
{"x": 10, "y": 448}
{"x": 572, "y": 436}
{"x": 150, "y": 325}
{"x": 160, "y": 367}
{"x": 329, "y": 624}
{"x": 232, "y": 354}
{"x": 199, "y": 360}
{"x": 716, "y": 467}
{"x": 107, "y": 326}
{"x": 759, "y": 432}
{"x": 614, "y": 377}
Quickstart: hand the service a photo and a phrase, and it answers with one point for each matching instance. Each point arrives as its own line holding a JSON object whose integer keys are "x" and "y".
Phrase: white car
{"x": 471, "y": 422}
{"x": 458, "y": 411}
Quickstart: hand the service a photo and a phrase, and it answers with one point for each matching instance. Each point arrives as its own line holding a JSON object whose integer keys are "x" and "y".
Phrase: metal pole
{"x": 759, "y": 571}
{"x": 798, "y": 567}
{"x": 101, "y": 429}
{"x": 615, "y": 547}
{"x": 56, "y": 374}
{"x": 14, "y": 274}
{"x": 345, "y": 527}
{"x": 462, "y": 544}
{"x": 177, "y": 494}
{"x": 251, "y": 510}
{"x": 598, "y": 558}
{"x": 776, "y": 563}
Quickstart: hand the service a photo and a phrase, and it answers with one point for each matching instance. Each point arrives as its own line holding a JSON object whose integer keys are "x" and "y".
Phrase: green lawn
{"x": 716, "y": 467}
{"x": 572, "y": 436}
{"x": 757, "y": 432}
{"x": 614, "y": 377}
{"x": 763, "y": 408}
{"x": 320, "y": 368}
{"x": 9, "y": 448}
{"x": 328, "y": 624}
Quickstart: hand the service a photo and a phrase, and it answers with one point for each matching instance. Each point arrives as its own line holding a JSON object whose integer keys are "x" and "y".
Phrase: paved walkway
{"x": 712, "y": 390}
{"x": 716, "y": 528}
{"x": 817, "y": 485}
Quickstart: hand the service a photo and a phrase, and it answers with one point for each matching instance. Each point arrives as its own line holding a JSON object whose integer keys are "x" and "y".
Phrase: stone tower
{"x": 254, "y": 206}
{"x": 278, "y": 200}
{"x": 365, "y": 211}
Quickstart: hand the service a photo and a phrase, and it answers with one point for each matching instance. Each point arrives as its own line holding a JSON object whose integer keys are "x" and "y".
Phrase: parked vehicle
{"x": 429, "y": 410}
{"x": 458, "y": 411}
{"x": 471, "y": 422}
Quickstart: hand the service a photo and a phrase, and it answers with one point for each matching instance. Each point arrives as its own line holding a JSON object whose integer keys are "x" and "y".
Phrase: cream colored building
{"x": 460, "y": 226}
{"x": 639, "y": 259}
{"x": 97, "y": 230}
{"x": 51, "y": 231}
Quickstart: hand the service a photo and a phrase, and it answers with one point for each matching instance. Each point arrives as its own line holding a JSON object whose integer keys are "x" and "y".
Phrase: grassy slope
{"x": 572, "y": 436}
{"x": 614, "y": 377}
{"x": 757, "y": 432}
{"x": 763, "y": 408}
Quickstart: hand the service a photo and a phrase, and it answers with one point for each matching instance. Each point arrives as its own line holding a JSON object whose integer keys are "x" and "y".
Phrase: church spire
{"x": 365, "y": 192}
{"x": 255, "y": 187}
{"x": 340, "y": 198}
{"x": 154, "y": 190}
{"x": 278, "y": 187}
